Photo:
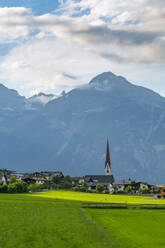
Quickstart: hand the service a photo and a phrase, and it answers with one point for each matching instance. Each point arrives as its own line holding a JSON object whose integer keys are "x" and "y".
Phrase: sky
{"x": 55, "y": 45}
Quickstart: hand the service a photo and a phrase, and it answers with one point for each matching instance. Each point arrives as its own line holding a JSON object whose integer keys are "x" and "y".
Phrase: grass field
{"x": 100, "y": 198}
{"x": 57, "y": 220}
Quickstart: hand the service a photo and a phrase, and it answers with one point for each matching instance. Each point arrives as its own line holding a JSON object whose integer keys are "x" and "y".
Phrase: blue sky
{"x": 39, "y": 7}
{"x": 51, "y": 46}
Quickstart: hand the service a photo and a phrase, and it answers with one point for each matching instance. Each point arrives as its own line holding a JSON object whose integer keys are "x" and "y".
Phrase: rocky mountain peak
{"x": 107, "y": 81}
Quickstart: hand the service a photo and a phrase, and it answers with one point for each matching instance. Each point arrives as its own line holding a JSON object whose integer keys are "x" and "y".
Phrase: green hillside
{"x": 57, "y": 220}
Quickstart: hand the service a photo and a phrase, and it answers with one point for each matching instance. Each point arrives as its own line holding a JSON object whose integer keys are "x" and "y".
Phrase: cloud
{"x": 48, "y": 65}
{"x": 116, "y": 11}
{"x": 81, "y": 39}
{"x": 51, "y": 66}
{"x": 13, "y": 23}
{"x": 125, "y": 32}
{"x": 70, "y": 76}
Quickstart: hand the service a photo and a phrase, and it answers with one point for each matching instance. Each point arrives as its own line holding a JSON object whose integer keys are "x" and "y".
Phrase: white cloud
{"x": 51, "y": 66}
{"x": 88, "y": 37}
{"x": 14, "y": 23}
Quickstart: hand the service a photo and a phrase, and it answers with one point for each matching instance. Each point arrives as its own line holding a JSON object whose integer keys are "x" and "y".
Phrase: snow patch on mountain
{"x": 42, "y": 98}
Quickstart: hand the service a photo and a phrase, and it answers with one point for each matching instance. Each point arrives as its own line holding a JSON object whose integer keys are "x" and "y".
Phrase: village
{"x": 48, "y": 180}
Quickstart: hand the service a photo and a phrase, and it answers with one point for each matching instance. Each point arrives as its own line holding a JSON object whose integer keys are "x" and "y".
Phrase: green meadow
{"x": 57, "y": 220}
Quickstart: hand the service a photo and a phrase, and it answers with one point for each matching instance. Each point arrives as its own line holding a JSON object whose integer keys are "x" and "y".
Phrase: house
{"x": 50, "y": 174}
{"x": 19, "y": 176}
{"x": 38, "y": 177}
{"x": 161, "y": 188}
{"x": 121, "y": 185}
{"x": 93, "y": 180}
{"x": 142, "y": 186}
{"x": 28, "y": 179}
{"x": 3, "y": 179}
{"x": 79, "y": 181}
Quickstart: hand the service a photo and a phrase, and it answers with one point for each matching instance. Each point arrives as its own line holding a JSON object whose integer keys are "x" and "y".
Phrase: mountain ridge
{"x": 69, "y": 133}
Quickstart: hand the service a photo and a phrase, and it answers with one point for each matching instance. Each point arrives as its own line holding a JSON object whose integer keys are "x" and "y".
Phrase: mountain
{"x": 10, "y": 99}
{"x": 69, "y": 133}
{"x": 39, "y": 100}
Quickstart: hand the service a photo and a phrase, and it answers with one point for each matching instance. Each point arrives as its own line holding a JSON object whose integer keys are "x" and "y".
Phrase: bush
{"x": 55, "y": 186}
{"x": 56, "y": 180}
{"x": 156, "y": 191}
{"x": 128, "y": 189}
{"x": 18, "y": 187}
{"x": 144, "y": 191}
{"x": 34, "y": 187}
{"x": 13, "y": 179}
{"x": 11, "y": 188}
{"x": 99, "y": 188}
{"x": 66, "y": 185}
{"x": 46, "y": 185}
{"x": 83, "y": 188}
{"x": 4, "y": 188}
{"x": 62, "y": 183}
{"x": 76, "y": 188}
{"x": 67, "y": 178}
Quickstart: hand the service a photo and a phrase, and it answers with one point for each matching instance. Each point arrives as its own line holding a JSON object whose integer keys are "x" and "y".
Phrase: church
{"x": 107, "y": 179}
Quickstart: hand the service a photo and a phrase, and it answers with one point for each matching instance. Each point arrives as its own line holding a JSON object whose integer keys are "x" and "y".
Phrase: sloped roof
{"x": 99, "y": 178}
{"x": 123, "y": 182}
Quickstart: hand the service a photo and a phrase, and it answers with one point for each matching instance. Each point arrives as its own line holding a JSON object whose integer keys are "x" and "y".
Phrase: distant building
{"x": 106, "y": 180}
{"x": 121, "y": 185}
{"x": 93, "y": 180}
{"x": 50, "y": 174}
{"x": 79, "y": 181}
{"x": 41, "y": 177}
{"x": 3, "y": 179}
{"x": 142, "y": 186}
{"x": 161, "y": 188}
{"x": 108, "y": 161}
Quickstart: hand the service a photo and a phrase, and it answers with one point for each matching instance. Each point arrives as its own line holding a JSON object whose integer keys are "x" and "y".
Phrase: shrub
{"x": 56, "y": 179}
{"x": 67, "y": 178}
{"x": 99, "y": 188}
{"x": 46, "y": 185}
{"x": 156, "y": 191}
{"x": 55, "y": 186}
{"x": 13, "y": 179}
{"x": 34, "y": 187}
{"x": 67, "y": 185}
{"x": 4, "y": 188}
{"x": 11, "y": 188}
{"x": 140, "y": 190}
{"x": 18, "y": 187}
{"x": 146, "y": 191}
{"x": 76, "y": 188}
{"x": 128, "y": 189}
{"x": 83, "y": 188}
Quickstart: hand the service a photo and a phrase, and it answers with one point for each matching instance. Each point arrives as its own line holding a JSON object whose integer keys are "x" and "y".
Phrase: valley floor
{"x": 57, "y": 220}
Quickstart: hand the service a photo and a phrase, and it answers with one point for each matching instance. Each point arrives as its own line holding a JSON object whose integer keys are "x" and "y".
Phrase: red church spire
{"x": 108, "y": 161}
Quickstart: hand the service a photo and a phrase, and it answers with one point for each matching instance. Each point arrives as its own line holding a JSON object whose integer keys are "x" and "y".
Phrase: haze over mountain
{"x": 69, "y": 133}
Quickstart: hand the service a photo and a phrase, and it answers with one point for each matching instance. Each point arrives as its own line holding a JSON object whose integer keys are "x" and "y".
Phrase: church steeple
{"x": 108, "y": 161}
